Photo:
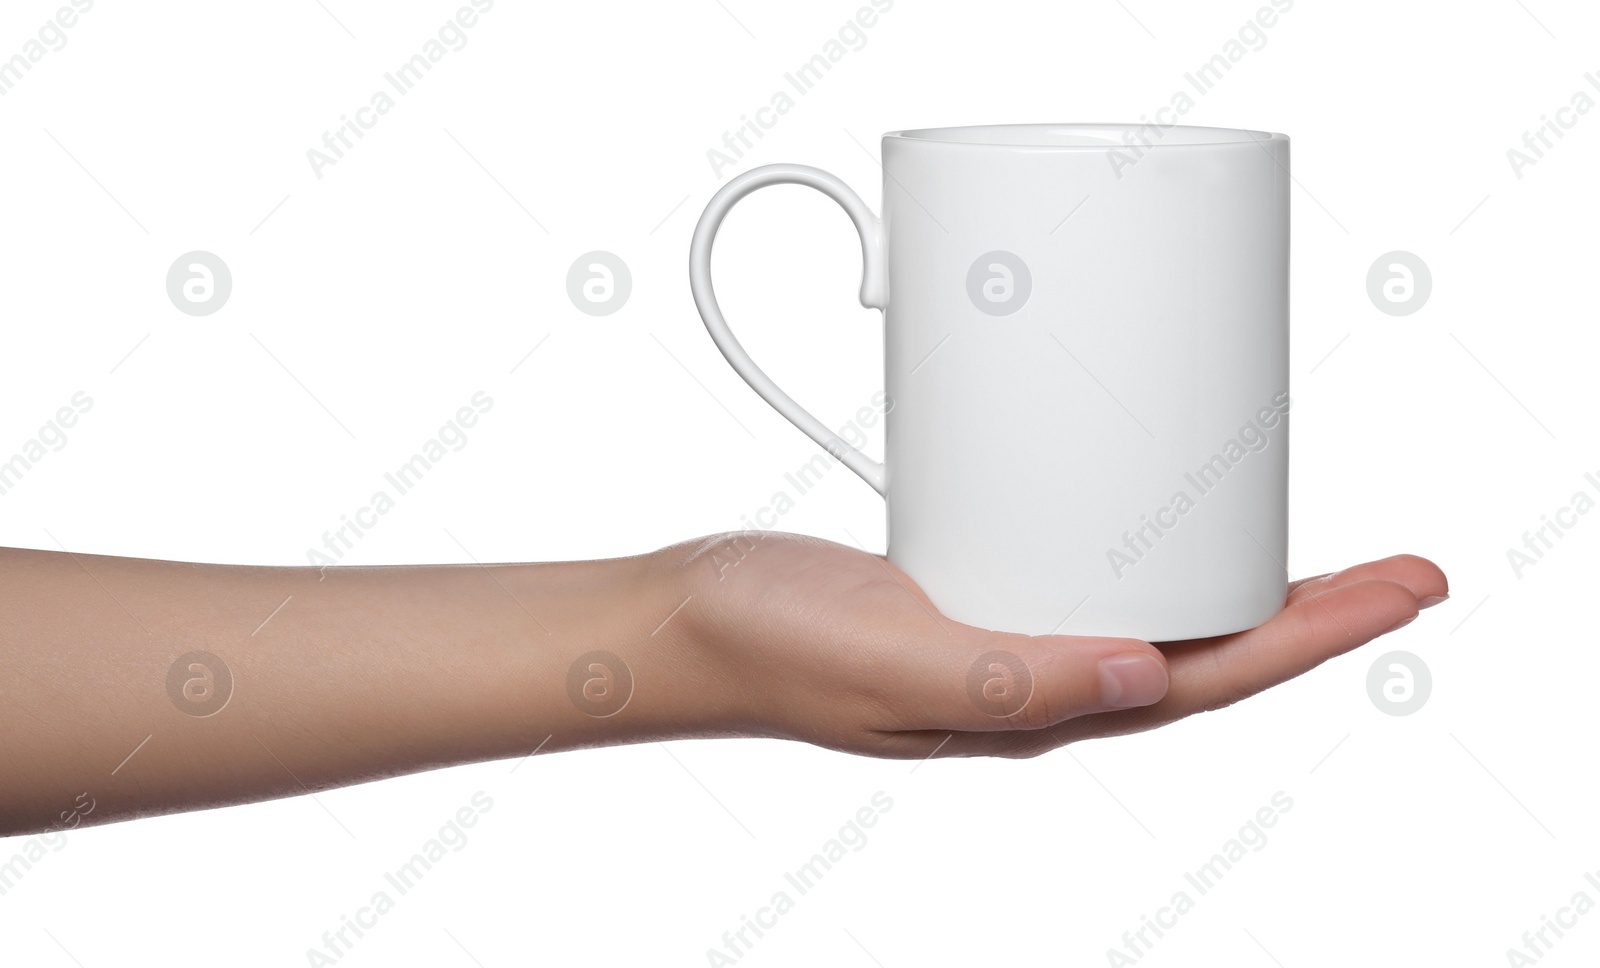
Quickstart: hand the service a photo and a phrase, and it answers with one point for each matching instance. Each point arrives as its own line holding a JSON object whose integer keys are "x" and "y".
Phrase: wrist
{"x": 624, "y": 656}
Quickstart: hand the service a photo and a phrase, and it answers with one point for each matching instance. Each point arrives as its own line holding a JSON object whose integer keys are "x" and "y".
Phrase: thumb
{"x": 982, "y": 680}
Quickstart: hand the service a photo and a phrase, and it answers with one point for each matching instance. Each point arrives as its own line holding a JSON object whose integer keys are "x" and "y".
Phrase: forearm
{"x": 313, "y": 678}
{"x": 337, "y": 675}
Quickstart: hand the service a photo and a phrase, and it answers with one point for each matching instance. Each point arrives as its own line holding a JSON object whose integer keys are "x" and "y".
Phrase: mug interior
{"x": 1083, "y": 135}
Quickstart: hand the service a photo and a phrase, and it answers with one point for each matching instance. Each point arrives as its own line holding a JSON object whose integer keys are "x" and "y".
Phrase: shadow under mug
{"x": 1086, "y": 335}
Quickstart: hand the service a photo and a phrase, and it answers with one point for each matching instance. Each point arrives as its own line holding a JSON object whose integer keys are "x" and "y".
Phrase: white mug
{"x": 1086, "y": 341}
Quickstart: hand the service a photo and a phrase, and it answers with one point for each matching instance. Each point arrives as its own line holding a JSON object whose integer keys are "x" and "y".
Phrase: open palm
{"x": 837, "y": 647}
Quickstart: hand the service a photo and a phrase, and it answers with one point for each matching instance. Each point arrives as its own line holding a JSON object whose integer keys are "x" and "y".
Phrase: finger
{"x": 1307, "y": 633}
{"x": 987, "y": 681}
{"x": 1422, "y": 577}
{"x": 1214, "y": 673}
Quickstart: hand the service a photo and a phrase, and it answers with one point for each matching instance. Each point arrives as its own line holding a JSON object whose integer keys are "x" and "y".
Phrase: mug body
{"x": 1086, "y": 338}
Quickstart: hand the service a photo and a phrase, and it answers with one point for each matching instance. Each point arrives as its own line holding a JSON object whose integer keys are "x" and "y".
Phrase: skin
{"x": 343, "y": 675}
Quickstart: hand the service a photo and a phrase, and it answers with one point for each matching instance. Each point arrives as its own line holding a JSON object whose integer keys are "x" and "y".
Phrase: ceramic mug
{"x": 1086, "y": 335}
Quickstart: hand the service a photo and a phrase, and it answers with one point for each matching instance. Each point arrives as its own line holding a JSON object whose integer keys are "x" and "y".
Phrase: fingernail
{"x": 1131, "y": 679}
{"x": 1399, "y": 625}
{"x": 1431, "y": 601}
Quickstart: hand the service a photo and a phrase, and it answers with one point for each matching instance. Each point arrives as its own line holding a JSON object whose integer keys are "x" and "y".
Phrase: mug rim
{"x": 1074, "y": 136}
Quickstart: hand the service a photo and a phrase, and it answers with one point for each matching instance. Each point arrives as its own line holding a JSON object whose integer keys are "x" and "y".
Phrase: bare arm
{"x": 137, "y": 687}
{"x": 358, "y": 673}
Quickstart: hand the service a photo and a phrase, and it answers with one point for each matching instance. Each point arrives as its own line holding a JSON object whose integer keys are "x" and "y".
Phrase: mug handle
{"x": 874, "y": 295}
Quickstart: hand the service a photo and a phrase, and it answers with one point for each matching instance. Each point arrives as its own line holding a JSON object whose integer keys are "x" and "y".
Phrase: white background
{"x": 373, "y": 302}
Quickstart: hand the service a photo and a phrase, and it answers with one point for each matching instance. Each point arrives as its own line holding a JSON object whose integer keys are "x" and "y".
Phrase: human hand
{"x": 837, "y": 647}
{"x": 380, "y": 671}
